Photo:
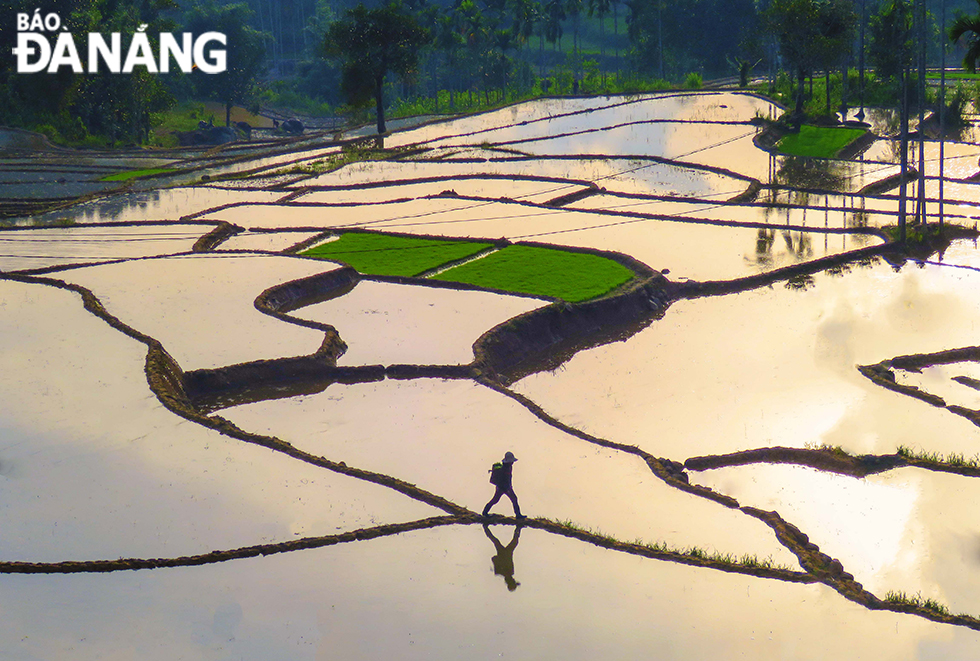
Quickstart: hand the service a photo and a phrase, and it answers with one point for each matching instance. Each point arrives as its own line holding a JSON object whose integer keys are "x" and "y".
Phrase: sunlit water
{"x": 92, "y": 466}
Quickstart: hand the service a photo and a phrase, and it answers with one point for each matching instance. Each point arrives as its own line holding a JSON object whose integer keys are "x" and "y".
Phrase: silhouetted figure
{"x": 503, "y": 562}
{"x": 502, "y": 476}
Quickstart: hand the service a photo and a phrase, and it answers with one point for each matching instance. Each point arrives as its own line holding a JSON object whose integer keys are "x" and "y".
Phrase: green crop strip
{"x": 538, "y": 271}
{"x": 133, "y": 174}
{"x": 818, "y": 142}
{"x": 384, "y": 254}
{"x": 569, "y": 276}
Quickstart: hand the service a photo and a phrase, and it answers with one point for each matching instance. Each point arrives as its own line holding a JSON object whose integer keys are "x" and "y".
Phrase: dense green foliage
{"x": 384, "y": 254}
{"x": 892, "y": 46}
{"x": 246, "y": 53}
{"x": 73, "y": 107}
{"x": 371, "y": 43}
{"x": 670, "y": 39}
{"x": 812, "y": 34}
{"x": 539, "y": 271}
{"x": 481, "y": 53}
{"x": 967, "y": 28}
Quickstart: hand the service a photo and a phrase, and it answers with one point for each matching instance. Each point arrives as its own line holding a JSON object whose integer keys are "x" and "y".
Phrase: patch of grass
{"x": 954, "y": 459}
{"x": 383, "y": 254}
{"x": 568, "y": 276}
{"x": 133, "y": 174}
{"x": 818, "y": 141}
{"x": 183, "y": 117}
{"x": 826, "y": 447}
{"x": 747, "y": 560}
{"x": 902, "y": 599}
{"x": 954, "y": 75}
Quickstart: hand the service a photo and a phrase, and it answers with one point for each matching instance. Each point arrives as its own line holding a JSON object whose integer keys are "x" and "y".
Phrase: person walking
{"x": 502, "y": 477}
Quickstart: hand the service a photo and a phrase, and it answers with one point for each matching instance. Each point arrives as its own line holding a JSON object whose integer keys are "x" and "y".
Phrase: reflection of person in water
{"x": 503, "y": 562}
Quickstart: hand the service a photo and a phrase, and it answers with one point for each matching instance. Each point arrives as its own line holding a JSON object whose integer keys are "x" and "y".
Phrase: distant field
{"x": 132, "y": 174}
{"x": 383, "y": 254}
{"x": 538, "y": 271}
{"x": 818, "y": 141}
{"x": 954, "y": 75}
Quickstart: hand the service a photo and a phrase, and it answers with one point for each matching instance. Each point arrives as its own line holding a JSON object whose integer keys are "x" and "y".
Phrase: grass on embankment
{"x": 953, "y": 75}
{"x": 383, "y": 254}
{"x": 818, "y": 141}
{"x": 539, "y": 271}
{"x": 133, "y": 174}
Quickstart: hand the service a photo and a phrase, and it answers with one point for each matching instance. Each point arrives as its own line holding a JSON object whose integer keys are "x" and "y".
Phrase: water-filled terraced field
{"x": 252, "y": 415}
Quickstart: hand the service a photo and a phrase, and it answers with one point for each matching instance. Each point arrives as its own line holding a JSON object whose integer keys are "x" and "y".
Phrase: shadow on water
{"x": 503, "y": 561}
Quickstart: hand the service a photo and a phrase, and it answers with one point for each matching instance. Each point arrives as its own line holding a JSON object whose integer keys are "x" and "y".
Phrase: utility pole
{"x": 905, "y": 152}
{"x": 942, "y": 108}
{"x": 660, "y": 36}
{"x": 920, "y": 207}
{"x": 864, "y": 19}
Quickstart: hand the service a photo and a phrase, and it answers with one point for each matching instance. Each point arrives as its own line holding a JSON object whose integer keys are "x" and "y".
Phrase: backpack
{"x": 497, "y": 474}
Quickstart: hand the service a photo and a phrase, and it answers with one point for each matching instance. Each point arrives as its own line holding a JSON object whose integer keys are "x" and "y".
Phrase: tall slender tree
{"x": 371, "y": 43}
{"x": 796, "y": 25}
{"x": 554, "y": 14}
{"x": 245, "y": 53}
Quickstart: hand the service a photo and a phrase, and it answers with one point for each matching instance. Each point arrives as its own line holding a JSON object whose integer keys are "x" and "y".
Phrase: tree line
{"x": 438, "y": 53}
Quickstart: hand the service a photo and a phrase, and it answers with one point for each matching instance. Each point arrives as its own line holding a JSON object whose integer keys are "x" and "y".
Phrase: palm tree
{"x": 600, "y": 8}
{"x": 574, "y": 8}
{"x": 968, "y": 26}
{"x": 554, "y": 14}
{"x": 525, "y": 14}
{"x": 449, "y": 40}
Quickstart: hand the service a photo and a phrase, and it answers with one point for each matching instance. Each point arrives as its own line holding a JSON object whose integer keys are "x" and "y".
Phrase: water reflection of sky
{"x": 776, "y": 367}
{"x": 433, "y": 595}
{"x": 904, "y": 531}
{"x": 92, "y": 466}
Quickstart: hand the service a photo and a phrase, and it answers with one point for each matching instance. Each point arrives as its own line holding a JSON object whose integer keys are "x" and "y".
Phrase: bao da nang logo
{"x": 40, "y": 47}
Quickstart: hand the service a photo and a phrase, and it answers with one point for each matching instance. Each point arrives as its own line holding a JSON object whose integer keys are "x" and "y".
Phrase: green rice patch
{"x": 570, "y": 276}
{"x": 133, "y": 174}
{"x": 818, "y": 141}
{"x": 383, "y": 254}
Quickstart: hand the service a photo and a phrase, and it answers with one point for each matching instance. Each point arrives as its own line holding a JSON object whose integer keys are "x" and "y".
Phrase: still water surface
{"x": 92, "y": 466}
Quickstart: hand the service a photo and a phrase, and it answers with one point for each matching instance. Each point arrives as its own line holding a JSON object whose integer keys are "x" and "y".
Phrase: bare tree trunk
{"x": 379, "y": 103}
{"x": 942, "y": 112}
{"x": 801, "y": 78}
{"x": 827, "y": 79}
{"x": 905, "y": 155}
{"x": 864, "y": 20}
{"x": 921, "y": 206}
{"x": 616, "y": 27}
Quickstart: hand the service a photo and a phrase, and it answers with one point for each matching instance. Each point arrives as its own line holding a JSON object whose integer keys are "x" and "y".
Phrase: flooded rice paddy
{"x": 767, "y": 446}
